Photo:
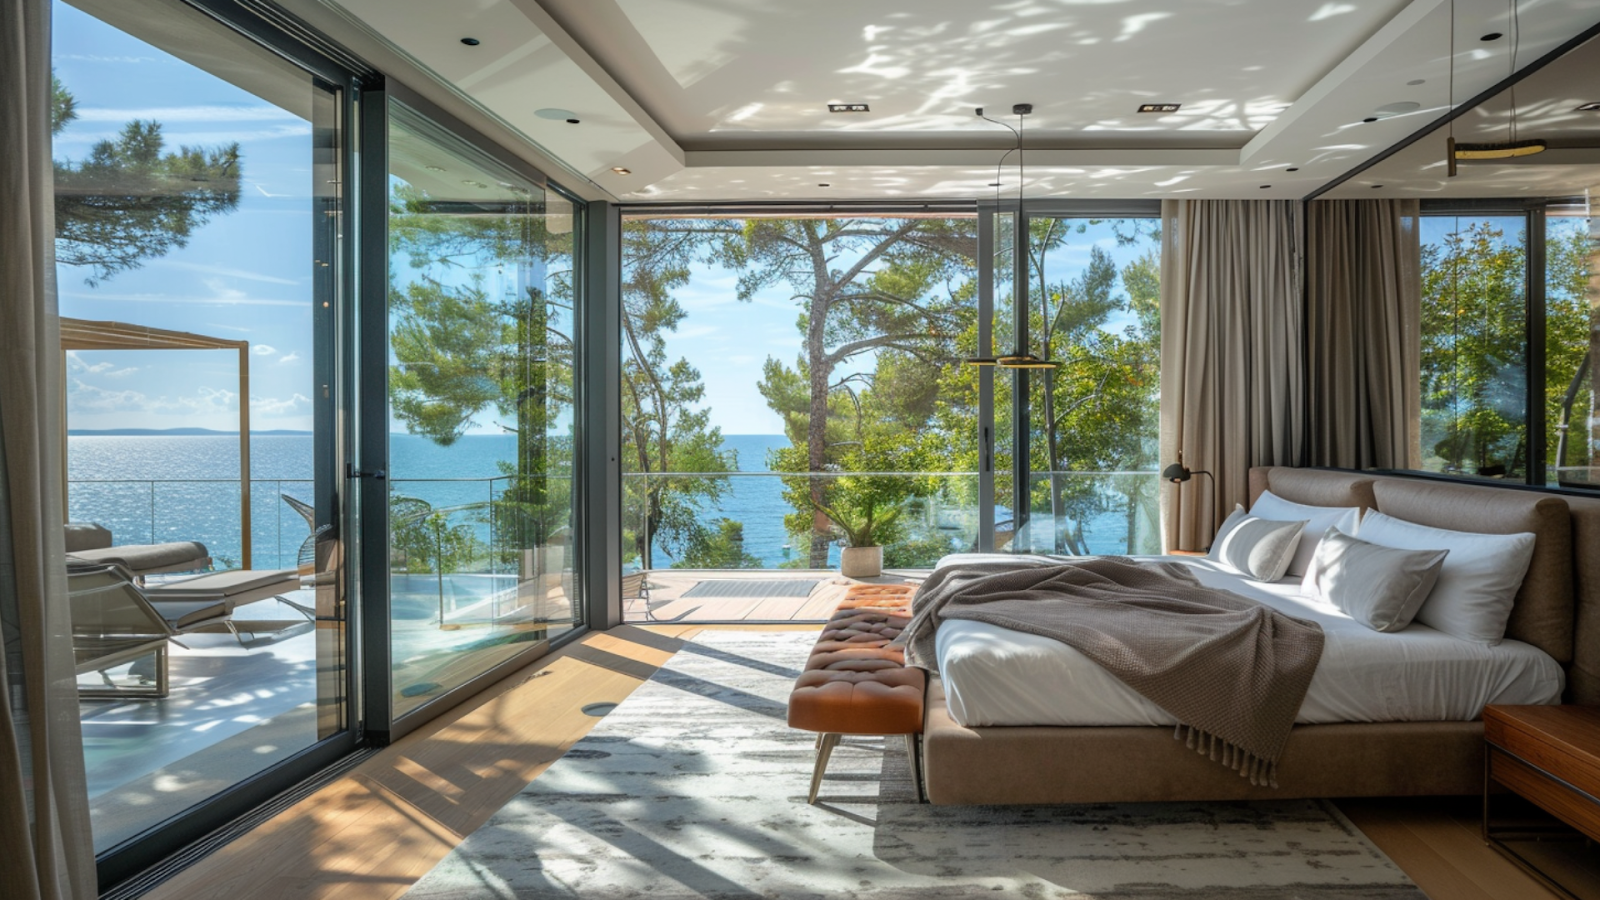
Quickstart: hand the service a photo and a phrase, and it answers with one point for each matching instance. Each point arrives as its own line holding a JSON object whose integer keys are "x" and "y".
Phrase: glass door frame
{"x": 348, "y": 79}
{"x": 381, "y": 725}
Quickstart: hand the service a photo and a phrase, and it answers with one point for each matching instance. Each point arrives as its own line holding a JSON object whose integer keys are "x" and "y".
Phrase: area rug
{"x": 694, "y": 786}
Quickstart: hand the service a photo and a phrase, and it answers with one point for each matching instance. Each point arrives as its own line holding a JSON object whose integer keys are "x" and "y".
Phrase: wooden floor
{"x": 377, "y": 830}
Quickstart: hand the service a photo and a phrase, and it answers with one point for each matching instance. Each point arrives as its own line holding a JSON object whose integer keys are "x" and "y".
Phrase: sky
{"x": 243, "y": 276}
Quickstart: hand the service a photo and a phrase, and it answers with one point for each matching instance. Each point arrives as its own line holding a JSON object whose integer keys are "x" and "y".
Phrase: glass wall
{"x": 777, "y": 409}
{"x": 1093, "y": 289}
{"x": 481, "y": 411}
{"x": 199, "y": 216}
{"x": 1474, "y": 345}
{"x": 1572, "y": 346}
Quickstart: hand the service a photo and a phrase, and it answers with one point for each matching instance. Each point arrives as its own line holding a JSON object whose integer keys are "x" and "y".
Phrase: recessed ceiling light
{"x": 1416, "y": 81}
{"x": 621, "y": 171}
{"x": 1370, "y": 119}
{"x": 848, "y": 107}
{"x": 823, "y": 184}
{"x": 1589, "y": 107}
{"x": 435, "y": 168}
{"x": 1376, "y": 186}
{"x": 555, "y": 114}
{"x": 1159, "y": 107}
{"x": 1292, "y": 169}
{"x": 471, "y": 42}
{"x": 1265, "y": 186}
{"x": 1492, "y": 36}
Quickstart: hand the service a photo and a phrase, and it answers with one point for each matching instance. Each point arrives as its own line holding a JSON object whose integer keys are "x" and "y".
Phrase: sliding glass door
{"x": 481, "y": 424}
{"x": 200, "y": 247}
{"x": 1084, "y": 299}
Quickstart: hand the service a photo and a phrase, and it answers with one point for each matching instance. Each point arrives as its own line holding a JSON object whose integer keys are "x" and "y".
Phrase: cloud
{"x": 290, "y": 357}
{"x": 86, "y": 398}
{"x": 263, "y": 350}
{"x": 226, "y": 271}
{"x": 166, "y": 114}
{"x": 225, "y": 297}
{"x": 269, "y": 406}
{"x": 122, "y": 373}
{"x": 96, "y": 58}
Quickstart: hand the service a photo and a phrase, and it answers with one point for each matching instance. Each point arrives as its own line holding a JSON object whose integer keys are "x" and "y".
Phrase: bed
{"x": 1387, "y": 714}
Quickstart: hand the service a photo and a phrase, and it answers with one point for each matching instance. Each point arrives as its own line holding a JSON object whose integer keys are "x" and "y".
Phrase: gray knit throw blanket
{"x": 1231, "y": 671}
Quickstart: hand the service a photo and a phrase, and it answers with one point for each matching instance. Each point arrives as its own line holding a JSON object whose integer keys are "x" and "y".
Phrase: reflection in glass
{"x": 193, "y": 220}
{"x": 1572, "y": 349}
{"x": 481, "y": 406}
{"x": 1474, "y": 346}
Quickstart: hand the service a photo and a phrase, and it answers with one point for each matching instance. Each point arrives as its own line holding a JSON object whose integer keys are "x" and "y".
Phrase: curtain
{"x": 1363, "y": 307}
{"x": 1232, "y": 354}
{"x": 45, "y": 847}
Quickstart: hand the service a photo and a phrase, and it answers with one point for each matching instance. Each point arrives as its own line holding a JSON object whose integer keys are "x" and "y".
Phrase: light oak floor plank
{"x": 372, "y": 833}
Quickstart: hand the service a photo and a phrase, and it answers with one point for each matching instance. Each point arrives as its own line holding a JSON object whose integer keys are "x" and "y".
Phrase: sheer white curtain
{"x": 45, "y": 846}
{"x": 1232, "y": 354}
{"x": 1363, "y": 312}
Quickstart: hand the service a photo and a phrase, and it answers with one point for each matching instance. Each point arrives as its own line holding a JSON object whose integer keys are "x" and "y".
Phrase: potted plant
{"x": 865, "y": 503}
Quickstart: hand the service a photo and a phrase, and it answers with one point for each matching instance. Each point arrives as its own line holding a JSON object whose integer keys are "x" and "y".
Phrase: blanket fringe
{"x": 1261, "y": 772}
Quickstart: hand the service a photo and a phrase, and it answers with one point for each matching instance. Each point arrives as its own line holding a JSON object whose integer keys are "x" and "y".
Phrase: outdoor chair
{"x": 113, "y": 622}
{"x": 91, "y": 542}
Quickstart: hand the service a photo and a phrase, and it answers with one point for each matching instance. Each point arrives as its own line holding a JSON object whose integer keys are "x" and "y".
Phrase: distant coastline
{"x": 176, "y": 432}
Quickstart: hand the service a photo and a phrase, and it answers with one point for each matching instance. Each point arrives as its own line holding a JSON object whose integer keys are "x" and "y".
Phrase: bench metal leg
{"x": 825, "y": 744}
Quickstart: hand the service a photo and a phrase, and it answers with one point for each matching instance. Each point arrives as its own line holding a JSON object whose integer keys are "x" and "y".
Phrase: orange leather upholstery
{"x": 854, "y": 683}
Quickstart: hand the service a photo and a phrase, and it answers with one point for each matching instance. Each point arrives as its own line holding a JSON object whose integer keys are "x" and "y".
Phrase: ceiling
{"x": 715, "y": 100}
{"x": 1546, "y": 104}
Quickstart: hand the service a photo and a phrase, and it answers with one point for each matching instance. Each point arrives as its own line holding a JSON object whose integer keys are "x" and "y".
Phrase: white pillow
{"x": 1257, "y": 548}
{"x": 1380, "y": 587}
{"x": 1478, "y": 583}
{"x": 1318, "y": 520}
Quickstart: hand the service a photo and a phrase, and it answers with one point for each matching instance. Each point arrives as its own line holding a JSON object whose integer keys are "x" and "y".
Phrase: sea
{"x": 153, "y": 488}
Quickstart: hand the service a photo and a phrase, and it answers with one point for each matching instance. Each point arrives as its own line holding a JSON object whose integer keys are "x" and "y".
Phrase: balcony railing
{"x": 1069, "y": 512}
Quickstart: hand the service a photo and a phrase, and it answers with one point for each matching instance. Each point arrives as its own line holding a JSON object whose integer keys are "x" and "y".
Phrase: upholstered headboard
{"x": 1558, "y": 607}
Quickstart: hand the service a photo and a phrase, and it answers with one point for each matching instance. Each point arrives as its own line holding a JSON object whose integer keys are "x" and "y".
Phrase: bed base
{"x": 1034, "y": 765}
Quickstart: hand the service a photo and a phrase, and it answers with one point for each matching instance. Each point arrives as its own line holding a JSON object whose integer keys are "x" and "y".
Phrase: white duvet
{"x": 996, "y": 676}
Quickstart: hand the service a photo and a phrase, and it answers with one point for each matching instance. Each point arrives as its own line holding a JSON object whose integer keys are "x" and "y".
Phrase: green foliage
{"x": 866, "y": 509}
{"x": 1474, "y": 352}
{"x": 718, "y": 547}
{"x": 132, "y": 200}
{"x": 1572, "y": 344}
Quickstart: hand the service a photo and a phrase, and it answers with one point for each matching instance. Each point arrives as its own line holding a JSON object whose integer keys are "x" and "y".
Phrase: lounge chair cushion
{"x": 226, "y": 585}
{"x": 87, "y": 536}
{"x": 144, "y": 558}
{"x": 186, "y": 614}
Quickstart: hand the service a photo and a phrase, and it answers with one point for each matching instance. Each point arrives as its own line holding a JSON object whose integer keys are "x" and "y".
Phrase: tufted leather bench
{"x": 854, "y": 683}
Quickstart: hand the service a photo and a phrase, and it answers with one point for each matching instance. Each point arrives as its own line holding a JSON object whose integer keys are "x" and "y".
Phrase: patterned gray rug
{"x": 751, "y": 589}
{"x": 695, "y": 787}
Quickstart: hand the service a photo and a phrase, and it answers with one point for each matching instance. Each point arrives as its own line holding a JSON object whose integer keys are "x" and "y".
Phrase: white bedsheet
{"x": 997, "y": 676}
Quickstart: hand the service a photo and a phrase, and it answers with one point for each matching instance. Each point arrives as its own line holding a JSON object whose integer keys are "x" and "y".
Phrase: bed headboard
{"x": 1558, "y": 607}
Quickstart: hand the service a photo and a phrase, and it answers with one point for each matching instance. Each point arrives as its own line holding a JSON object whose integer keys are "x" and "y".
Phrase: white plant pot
{"x": 861, "y": 562}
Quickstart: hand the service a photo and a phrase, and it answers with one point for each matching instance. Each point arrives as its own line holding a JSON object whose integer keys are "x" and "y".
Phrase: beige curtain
{"x": 1363, "y": 305}
{"x": 45, "y": 846}
{"x": 1232, "y": 354}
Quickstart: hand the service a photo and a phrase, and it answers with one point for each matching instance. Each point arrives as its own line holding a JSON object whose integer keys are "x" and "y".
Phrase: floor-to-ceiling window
{"x": 481, "y": 413}
{"x": 199, "y": 217}
{"x": 793, "y": 386}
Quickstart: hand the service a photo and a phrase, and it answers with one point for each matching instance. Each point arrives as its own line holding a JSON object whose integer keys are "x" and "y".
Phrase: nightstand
{"x": 1550, "y": 756}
